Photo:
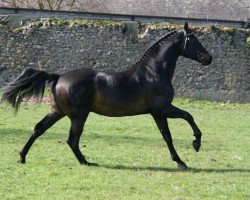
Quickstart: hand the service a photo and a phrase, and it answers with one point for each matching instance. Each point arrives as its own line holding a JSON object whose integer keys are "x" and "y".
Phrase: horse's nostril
{"x": 201, "y": 56}
{"x": 205, "y": 58}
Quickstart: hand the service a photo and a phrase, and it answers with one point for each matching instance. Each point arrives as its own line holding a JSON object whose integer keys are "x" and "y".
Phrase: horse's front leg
{"x": 171, "y": 111}
{"x": 164, "y": 129}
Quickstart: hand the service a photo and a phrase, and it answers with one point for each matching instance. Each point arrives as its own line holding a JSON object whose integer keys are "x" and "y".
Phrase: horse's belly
{"x": 115, "y": 108}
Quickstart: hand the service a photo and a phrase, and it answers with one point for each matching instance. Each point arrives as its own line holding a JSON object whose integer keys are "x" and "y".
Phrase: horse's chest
{"x": 164, "y": 91}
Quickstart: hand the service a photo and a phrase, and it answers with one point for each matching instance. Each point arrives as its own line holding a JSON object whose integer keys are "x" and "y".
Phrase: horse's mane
{"x": 155, "y": 47}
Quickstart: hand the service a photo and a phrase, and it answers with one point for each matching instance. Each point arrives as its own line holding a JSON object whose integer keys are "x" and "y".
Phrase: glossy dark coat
{"x": 144, "y": 88}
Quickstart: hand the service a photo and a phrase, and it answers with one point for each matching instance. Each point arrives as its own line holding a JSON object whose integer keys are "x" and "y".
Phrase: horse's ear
{"x": 186, "y": 28}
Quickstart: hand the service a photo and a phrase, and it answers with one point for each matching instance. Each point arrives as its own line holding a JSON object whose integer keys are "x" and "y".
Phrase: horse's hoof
{"x": 182, "y": 166}
{"x": 196, "y": 145}
{"x": 21, "y": 161}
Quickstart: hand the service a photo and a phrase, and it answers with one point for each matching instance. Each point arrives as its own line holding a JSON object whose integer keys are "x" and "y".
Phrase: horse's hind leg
{"x": 48, "y": 121}
{"x": 75, "y": 132}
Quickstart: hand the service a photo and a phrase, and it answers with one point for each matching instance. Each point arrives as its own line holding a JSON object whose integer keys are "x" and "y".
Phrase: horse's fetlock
{"x": 21, "y": 154}
{"x": 175, "y": 158}
{"x": 71, "y": 143}
{"x": 22, "y": 157}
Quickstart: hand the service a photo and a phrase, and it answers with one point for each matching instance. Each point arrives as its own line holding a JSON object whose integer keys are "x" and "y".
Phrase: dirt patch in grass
{"x": 33, "y": 101}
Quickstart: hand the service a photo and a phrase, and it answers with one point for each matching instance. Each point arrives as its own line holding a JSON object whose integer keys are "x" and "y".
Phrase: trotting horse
{"x": 143, "y": 88}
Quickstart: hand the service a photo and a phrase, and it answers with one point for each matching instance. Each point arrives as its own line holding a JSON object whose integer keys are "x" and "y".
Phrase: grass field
{"x": 133, "y": 158}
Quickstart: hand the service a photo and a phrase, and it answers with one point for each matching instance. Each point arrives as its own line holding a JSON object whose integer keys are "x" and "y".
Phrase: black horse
{"x": 144, "y": 88}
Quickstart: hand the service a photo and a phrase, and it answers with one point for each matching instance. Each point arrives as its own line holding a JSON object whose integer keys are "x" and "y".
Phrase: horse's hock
{"x": 61, "y": 45}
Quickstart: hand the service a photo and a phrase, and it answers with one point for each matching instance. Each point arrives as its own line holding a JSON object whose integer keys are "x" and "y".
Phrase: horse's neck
{"x": 156, "y": 65}
{"x": 163, "y": 65}
{"x": 170, "y": 64}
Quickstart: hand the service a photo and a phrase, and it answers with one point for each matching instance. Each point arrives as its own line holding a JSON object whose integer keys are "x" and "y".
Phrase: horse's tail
{"x": 30, "y": 83}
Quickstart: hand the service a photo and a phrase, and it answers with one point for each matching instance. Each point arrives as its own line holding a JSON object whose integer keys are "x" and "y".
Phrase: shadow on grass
{"x": 163, "y": 169}
{"x": 106, "y": 137}
{"x": 5, "y": 132}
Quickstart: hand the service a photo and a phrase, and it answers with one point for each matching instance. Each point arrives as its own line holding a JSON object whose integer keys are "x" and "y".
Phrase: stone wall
{"x": 58, "y": 45}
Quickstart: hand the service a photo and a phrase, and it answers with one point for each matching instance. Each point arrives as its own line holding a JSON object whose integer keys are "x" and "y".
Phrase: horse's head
{"x": 192, "y": 48}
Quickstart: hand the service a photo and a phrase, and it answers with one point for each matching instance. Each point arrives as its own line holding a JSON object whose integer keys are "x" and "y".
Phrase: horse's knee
{"x": 187, "y": 116}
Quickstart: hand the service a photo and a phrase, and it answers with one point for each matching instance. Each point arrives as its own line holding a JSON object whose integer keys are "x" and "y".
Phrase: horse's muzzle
{"x": 205, "y": 58}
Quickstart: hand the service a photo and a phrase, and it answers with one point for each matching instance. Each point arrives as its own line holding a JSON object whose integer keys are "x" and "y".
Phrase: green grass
{"x": 133, "y": 158}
